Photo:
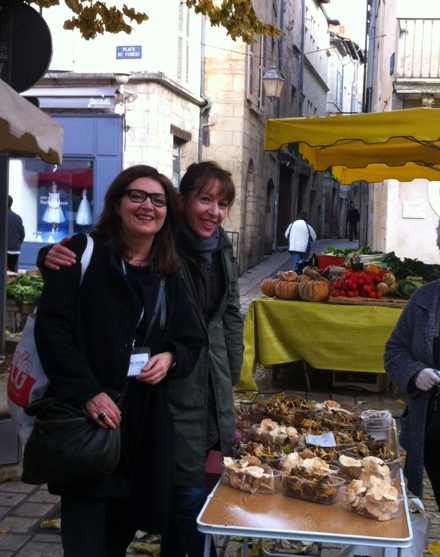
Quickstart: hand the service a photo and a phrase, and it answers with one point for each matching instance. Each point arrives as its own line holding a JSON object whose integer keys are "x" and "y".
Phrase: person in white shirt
{"x": 300, "y": 236}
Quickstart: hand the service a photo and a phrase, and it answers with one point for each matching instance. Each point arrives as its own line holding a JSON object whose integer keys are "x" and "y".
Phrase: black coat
{"x": 84, "y": 337}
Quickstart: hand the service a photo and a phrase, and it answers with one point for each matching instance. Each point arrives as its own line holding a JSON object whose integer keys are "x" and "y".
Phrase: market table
{"x": 231, "y": 512}
{"x": 326, "y": 336}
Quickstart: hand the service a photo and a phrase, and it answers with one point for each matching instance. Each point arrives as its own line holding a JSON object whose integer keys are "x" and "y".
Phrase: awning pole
{"x": 4, "y": 188}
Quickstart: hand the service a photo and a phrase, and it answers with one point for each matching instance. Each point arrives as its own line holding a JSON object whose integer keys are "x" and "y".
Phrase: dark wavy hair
{"x": 163, "y": 251}
{"x": 199, "y": 174}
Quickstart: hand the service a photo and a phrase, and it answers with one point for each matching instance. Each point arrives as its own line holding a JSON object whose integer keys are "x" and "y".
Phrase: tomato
{"x": 378, "y": 294}
{"x": 335, "y": 294}
{"x": 350, "y": 293}
{"x": 371, "y": 294}
{"x": 337, "y": 285}
{"x": 360, "y": 281}
{"x": 355, "y": 293}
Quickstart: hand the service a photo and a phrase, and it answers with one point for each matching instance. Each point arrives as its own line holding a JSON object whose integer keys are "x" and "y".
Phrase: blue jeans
{"x": 296, "y": 256}
{"x": 182, "y": 536}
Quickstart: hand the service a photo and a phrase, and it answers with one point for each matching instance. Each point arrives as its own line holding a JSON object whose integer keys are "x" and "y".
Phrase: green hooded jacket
{"x": 220, "y": 360}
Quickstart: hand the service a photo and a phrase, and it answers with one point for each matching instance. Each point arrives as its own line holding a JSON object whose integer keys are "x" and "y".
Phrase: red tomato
{"x": 371, "y": 295}
{"x": 337, "y": 285}
{"x": 360, "y": 281}
{"x": 378, "y": 294}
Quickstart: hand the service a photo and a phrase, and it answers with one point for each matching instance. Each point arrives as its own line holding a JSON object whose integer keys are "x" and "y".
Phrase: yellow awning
{"x": 387, "y": 140}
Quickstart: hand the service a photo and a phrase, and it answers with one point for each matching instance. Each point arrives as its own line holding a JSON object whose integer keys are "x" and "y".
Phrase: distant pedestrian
{"x": 353, "y": 217}
{"x": 15, "y": 237}
{"x": 300, "y": 236}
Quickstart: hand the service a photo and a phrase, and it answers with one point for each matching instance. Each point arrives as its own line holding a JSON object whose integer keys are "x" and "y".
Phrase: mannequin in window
{"x": 84, "y": 214}
{"x": 53, "y": 212}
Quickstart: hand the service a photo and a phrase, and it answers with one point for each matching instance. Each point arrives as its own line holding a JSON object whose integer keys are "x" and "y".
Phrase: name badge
{"x": 138, "y": 359}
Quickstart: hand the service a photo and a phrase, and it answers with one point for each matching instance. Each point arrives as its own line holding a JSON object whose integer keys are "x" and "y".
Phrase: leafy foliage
{"x": 93, "y": 17}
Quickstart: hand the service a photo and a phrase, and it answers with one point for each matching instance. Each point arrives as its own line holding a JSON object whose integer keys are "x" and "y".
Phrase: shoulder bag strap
{"x": 86, "y": 256}
{"x": 159, "y": 308}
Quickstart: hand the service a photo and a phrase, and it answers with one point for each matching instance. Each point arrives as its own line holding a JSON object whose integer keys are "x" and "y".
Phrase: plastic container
{"x": 258, "y": 480}
{"x": 323, "y": 489}
{"x": 325, "y": 261}
{"x": 377, "y": 510}
{"x": 377, "y": 424}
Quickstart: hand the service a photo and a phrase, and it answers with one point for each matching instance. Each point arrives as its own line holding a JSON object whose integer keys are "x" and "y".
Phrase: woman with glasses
{"x": 110, "y": 332}
{"x": 202, "y": 404}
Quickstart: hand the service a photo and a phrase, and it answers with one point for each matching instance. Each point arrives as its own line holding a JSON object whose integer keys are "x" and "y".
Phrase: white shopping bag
{"x": 26, "y": 382}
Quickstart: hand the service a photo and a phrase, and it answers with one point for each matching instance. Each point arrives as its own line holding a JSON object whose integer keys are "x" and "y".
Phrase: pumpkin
{"x": 267, "y": 286}
{"x": 313, "y": 290}
{"x": 311, "y": 272}
{"x": 287, "y": 275}
{"x": 287, "y": 290}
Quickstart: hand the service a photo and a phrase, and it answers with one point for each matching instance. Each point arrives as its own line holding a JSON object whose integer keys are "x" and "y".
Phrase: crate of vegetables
{"x": 369, "y": 286}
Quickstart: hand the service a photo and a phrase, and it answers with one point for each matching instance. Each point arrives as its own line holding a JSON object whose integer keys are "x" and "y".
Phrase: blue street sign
{"x": 128, "y": 52}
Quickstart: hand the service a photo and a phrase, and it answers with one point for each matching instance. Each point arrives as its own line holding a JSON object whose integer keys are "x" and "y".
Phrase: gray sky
{"x": 350, "y": 13}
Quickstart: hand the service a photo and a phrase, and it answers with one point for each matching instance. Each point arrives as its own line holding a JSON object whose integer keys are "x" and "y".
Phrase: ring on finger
{"x": 102, "y": 416}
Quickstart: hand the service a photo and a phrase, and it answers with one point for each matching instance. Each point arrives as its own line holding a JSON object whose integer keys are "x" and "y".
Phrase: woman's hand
{"x": 156, "y": 368}
{"x": 58, "y": 256}
{"x": 102, "y": 405}
{"x": 426, "y": 379}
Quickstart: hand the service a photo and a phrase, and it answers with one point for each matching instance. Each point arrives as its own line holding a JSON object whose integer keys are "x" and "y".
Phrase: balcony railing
{"x": 419, "y": 49}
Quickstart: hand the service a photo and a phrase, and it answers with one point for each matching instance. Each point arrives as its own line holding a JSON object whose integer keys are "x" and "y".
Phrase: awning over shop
{"x": 402, "y": 144}
{"x": 73, "y": 97}
{"x": 24, "y": 128}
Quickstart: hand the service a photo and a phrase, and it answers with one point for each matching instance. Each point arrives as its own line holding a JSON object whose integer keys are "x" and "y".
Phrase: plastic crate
{"x": 326, "y": 260}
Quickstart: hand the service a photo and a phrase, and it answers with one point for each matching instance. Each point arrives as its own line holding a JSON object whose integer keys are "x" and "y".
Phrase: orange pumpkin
{"x": 267, "y": 286}
{"x": 313, "y": 290}
{"x": 287, "y": 275}
{"x": 312, "y": 273}
{"x": 287, "y": 290}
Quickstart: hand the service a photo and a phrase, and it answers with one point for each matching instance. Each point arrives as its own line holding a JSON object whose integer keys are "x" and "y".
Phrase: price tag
{"x": 325, "y": 440}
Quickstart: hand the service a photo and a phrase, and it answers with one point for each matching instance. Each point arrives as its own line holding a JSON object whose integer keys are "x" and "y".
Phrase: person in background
{"x": 202, "y": 404}
{"x": 86, "y": 338}
{"x": 300, "y": 236}
{"x": 353, "y": 217}
{"x": 411, "y": 361}
{"x": 16, "y": 234}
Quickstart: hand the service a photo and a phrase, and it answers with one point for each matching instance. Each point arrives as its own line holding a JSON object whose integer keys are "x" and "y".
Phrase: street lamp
{"x": 273, "y": 82}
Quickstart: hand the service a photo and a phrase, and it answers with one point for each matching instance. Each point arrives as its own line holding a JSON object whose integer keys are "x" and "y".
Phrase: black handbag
{"x": 67, "y": 446}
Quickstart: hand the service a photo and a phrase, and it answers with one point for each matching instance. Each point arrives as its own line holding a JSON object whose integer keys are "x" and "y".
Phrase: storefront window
{"x": 53, "y": 201}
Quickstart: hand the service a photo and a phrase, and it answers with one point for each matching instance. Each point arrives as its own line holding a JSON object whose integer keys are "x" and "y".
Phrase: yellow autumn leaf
{"x": 54, "y": 524}
{"x": 434, "y": 548}
{"x": 3, "y": 531}
{"x": 146, "y": 548}
{"x": 399, "y": 401}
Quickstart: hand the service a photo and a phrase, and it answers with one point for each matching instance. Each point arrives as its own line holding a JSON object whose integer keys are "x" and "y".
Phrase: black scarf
{"x": 201, "y": 246}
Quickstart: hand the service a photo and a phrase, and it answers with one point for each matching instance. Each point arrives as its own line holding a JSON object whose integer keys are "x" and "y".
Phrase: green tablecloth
{"x": 326, "y": 336}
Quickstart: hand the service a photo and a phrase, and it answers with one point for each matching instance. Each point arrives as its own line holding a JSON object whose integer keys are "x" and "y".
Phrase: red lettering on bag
{"x": 20, "y": 381}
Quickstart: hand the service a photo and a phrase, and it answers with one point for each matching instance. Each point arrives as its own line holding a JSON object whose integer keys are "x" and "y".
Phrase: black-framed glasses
{"x": 139, "y": 196}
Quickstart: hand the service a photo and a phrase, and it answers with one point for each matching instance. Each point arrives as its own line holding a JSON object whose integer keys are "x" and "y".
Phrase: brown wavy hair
{"x": 163, "y": 251}
{"x": 199, "y": 174}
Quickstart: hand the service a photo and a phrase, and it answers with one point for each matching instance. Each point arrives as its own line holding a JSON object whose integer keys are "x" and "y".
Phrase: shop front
{"x": 55, "y": 201}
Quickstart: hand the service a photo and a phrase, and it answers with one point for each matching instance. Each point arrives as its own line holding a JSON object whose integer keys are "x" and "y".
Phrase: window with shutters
{"x": 183, "y": 43}
{"x": 250, "y": 72}
{"x": 262, "y": 70}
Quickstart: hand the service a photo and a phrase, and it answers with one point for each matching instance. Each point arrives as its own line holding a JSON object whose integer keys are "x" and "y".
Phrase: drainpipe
{"x": 371, "y": 47}
{"x": 301, "y": 66}
{"x": 206, "y": 107}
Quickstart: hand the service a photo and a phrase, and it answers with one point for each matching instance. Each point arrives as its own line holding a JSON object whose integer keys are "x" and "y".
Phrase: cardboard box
{"x": 374, "y": 382}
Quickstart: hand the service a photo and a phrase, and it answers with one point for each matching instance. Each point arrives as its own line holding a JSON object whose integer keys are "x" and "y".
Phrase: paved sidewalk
{"x": 24, "y": 508}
